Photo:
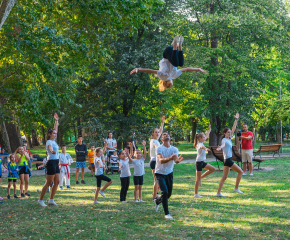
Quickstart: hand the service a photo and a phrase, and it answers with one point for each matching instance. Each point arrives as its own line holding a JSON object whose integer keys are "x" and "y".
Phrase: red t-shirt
{"x": 247, "y": 144}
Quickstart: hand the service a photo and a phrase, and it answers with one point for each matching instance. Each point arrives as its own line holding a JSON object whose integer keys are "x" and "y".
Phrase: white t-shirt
{"x": 201, "y": 154}
{"x": 139, "y": 166}
{"x": 167, "y": 71}
{"x": 111, "y": 143}
{"x": 98, "y": 164}
{"x": 165, "y": 168}
{"x": 125, "y": 168}
{"x": 55, "y": 148}
{"x": 227, "y": 150}
{"x": 153, "y": 150}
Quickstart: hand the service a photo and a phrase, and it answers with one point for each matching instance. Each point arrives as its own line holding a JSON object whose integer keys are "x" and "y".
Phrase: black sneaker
{"x": 8, "y": 196}
{"x": 15, "y": 196}
{"x": 83, "y": 182}
{"x": 26, "y": 194}
{"x": 77, "y": 182}
{"x": 22, "y": 195}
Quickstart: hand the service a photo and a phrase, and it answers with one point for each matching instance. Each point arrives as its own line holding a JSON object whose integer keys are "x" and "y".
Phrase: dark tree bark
{"x": 5, "y": 137}
{"x": 34, "y": 138}
{"x": 13, "y": 136}
{"x": 43, "y": 135}
{"x": 193, "y": 129}
{"x": 79, "y": 126}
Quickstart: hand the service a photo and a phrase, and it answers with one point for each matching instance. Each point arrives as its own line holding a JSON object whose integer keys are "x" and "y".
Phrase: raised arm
{"x": 146, "y": 70}
{"x": 130, "y": 157}
{"x": 208, "y": 132}
{"x": 55, "y": 122}
{"x": 145, "y": 151}
{"x": 161, "y": 127}
{"x": 131, "y": 149}
{"x": 235, "y": 124}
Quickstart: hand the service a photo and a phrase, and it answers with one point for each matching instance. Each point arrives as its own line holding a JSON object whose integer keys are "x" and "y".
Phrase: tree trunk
{"x": 278, "y": 134}
{"x": 5, "y": 9}
{"x": 59, "y": 136}
{"x": 236, "y": 139}
{"x": 28, "y": 139}
{"x": 255, "y": 137}
{"x": 13, "y": 137}
{"x": 79, "y": 126}
{"x": 43, "y": 135}
{"x": 5, "y": 137}
{"x": 193, "y": 129}
{"x": 34, "y": 138}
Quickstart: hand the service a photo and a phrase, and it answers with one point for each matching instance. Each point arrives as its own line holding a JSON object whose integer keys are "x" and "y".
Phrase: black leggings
{"x": 175, "y": 57}
{"x": 125, "y": 181}
{"x": 165, "y": 183}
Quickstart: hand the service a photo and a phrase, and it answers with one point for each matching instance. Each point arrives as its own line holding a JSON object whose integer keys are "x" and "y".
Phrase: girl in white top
{"x": 200, "y": 159}
{"x": 154, "y": 144}
{"x": 138, "y": 163}
{"x": 228, "y": 163}
{"x": 99, "y": 172}
{"x": 172, "y": 58}
{"x": 125, "y": 174}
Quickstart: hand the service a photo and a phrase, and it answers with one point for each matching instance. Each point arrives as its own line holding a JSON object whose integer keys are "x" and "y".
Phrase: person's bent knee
{"x": 111, "y": 182}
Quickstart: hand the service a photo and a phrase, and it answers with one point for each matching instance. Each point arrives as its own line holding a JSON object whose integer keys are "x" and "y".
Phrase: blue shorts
{"x": 92, "y": 164}
{"x": 81, "y": 164}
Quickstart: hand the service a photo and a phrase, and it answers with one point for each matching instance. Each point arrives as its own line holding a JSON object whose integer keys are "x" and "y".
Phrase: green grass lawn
{"x": 262, "y": 212}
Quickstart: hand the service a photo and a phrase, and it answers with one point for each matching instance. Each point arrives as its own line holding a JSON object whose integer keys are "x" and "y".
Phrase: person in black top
{"x": 81, "y": 152}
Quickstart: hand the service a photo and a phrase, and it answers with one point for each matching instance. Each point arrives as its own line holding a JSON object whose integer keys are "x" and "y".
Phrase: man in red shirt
{"x": 247, "y": 149}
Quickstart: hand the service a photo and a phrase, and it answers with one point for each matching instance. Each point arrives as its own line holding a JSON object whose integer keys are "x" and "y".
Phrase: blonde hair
{"x": 163, "y": 85}
{"x": 197, "y": 137}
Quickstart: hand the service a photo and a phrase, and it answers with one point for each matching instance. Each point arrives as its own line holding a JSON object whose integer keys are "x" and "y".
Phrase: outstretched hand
{"x": 55, "y": 117}
{"x": 218, "y": 148}
{"x": 135, "y": 70}
{"x": 201, "y": 70}
{"x": 179, "y": 159}
{"x": 143, "y": 142}
{"x": 163, "y": 119}
{"x": 237, "y": 115}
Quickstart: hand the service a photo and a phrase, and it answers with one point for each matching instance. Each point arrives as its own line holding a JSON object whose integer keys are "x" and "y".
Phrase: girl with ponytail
{"x": 200, "y": 160}
{"x": 228, "y": 163}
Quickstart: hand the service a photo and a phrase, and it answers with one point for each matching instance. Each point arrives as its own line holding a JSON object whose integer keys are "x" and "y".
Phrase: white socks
{"x": 52, "y": 202}
{"x": 41, "y": 202}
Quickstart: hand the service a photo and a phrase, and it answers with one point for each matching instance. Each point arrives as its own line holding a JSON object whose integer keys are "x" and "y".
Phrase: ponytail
{"x": 197, "y": 137}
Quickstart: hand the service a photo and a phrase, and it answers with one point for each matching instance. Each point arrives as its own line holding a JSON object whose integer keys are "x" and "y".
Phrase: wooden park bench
{"x": 220, "y": 157}
{"x": 274, "y": 148}
{"x": 239, "y": 157}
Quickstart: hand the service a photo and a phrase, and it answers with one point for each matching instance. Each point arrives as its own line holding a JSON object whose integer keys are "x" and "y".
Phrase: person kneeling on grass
{"x": 99, "y": 171}
{"x": 65, "y": 160}
{"x": 12, "y": 175}
{"x": 138, "y": 163}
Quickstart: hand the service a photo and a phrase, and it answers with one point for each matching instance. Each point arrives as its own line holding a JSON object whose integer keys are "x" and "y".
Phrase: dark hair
{"x": 225, "y": 131}
{"x": 80, "y": 136}
{"x": 197, "y": 136}
{"x": 119, "y": 153}
{"x": 49, "y": 132}
{"x": 245, "y": 124}
{"x": 109, "y": 133}
{"x": 98, "y": 149}
{"x": 63, "y": 145}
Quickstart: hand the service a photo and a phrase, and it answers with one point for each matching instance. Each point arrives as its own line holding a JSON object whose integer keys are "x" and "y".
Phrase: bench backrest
{"x": 217, "y": 154}
{"x": 269, "y": 148}
{"x": 236, "y": 155}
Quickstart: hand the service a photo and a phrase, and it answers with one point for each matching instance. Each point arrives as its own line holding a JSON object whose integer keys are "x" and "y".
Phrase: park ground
{"x": 262, "y": 212}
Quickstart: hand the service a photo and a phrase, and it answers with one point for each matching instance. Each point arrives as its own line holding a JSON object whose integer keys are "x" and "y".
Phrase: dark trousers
{"x": 165, "y": 183}
{"x": 125, "y": 181}
{"x": 175, "y": 57}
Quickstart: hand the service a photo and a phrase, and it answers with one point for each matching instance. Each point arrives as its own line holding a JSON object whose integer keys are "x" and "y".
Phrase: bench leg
{"x": 217, "y": 161}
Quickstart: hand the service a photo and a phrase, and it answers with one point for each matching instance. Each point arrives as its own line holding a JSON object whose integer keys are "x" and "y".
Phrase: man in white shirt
{"x": 167, "y": 155}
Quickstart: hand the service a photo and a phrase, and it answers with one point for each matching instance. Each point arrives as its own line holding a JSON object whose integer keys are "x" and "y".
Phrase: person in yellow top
{"x": 22, "y": 159}
{"x": 92, "y": 156}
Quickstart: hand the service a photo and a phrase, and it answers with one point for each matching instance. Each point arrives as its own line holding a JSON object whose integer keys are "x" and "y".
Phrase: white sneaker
{"x": 220, "y": 195}
{"x": 141, "y": 200}
{"x": 96, "y": 202}
{"x": 124, "y": 201}
{"x": 156, "y": 206}
{"x": 168, "y": 216}
{"x": 136, "y": 200}
{"x": 175, "y": 40}
{"x": 52, "y": 202}
{"x": 238, "y": 191}
{"x": 41, "y": 202}
{"x": 244, "y": 174}
{"x": 102, "y": 193}
{"x": 181, "y": 39}
{"x": 197, "y": 196}
{"x": 251, "y": 174}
